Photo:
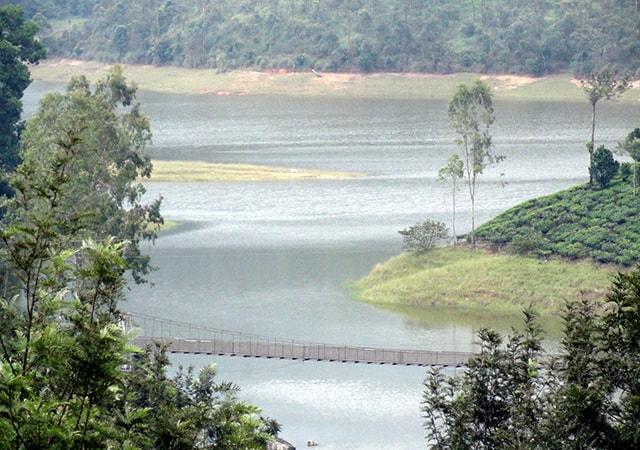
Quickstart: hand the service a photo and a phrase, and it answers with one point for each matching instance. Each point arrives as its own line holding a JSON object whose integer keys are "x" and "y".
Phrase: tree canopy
{"x": 67, "y": 239}
{"x": 18, "y": 47}
{"x": 436, "y": 36}
{"x": 514, "y": 395}
{"x": 101, "y": 132}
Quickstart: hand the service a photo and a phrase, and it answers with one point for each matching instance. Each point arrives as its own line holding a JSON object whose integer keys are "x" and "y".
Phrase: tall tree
{"x": 471, "y": 114}
{"x": 18, "y": 46}
{"x": 62, "y": 346}
{"x": 606, "y": 86}
{"x": 108, "y": 133}
{"x": 451, "y": 173}
{"x": 498, "y": 401}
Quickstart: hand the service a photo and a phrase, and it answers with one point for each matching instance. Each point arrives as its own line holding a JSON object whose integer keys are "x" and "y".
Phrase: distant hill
{"x": 601, "y": 224}
{"x": 434, "y": 36}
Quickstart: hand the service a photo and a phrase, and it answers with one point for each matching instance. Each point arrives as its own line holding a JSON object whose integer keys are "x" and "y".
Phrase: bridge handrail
{"x": 216, "y": 333}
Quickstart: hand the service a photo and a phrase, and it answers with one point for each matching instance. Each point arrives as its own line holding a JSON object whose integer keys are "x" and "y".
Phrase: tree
{"x": 62, "y": 346}
{"x": 516, "y": 396}
{"x": 631, "y": 147}
{"x": 423, "y": 236}
{"x": 451, "y": 173}
{"x": 498, "y": 401}
{"x": 604, "y": 167}
{"x": 607, "y": 86}
{"x": 471, "y": 114}
{"x": 106, "y": 132}
{"x": 18, "y": 46}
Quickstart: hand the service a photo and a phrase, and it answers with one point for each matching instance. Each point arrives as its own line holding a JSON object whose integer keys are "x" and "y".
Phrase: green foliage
{"x": 100, "y": 135}
{"x": 575, "y": 223}
{"x": 604, "y": 167}
{"x": 62, "y": 344}
{"x": 424, "y": 236}
{"x": 517, "y": 396}
{"x": 446, "y": 36}
{"x": 498, "y": 401}
{"x": 471, "y": 114}
{"x": 605, "y": 85}
{"x": 18, "y": 46}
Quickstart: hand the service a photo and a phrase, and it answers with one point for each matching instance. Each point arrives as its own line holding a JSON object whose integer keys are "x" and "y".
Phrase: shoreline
{"x": 168, "y": 79}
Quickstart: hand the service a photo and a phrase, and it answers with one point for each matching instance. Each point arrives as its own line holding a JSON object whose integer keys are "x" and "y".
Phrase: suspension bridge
{"x": 188, "y": 338}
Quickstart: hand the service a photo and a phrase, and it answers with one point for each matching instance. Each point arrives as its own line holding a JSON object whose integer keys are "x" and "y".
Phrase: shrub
{"x": 527, "y": 241}
{"x": 604, "y": 167}
{"x": 423, "y": 236}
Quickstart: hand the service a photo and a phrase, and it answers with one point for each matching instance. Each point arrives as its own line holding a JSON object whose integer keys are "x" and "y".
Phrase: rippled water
{"x": 275, "y": 258}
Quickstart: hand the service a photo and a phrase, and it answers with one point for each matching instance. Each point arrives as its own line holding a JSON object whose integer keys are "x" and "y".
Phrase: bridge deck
{"x": 308, "y": 351}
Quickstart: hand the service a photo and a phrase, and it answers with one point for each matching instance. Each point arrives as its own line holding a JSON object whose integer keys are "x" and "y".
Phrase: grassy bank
{"x": 199, "y": 171}
{"x": 420, "y": 86}
{"x": 466, "y": 279}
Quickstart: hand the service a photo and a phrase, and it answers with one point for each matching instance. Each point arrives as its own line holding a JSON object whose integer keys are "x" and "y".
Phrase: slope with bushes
{"x": 580, "y": 222}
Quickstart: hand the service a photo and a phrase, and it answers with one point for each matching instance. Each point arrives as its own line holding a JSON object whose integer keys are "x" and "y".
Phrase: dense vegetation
{"x": 579, "y": 222}
{"x": 69, "y": 243}
{"x": 514, "y": 395}
{"x": 17, "y": 46}
{"x": 439, "y": 36}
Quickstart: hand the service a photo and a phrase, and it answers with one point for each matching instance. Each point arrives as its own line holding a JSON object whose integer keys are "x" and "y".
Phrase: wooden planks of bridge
{"x": 310, "y": 352}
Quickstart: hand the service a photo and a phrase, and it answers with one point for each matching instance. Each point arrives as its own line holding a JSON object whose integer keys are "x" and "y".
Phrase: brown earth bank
{"x": 282, "y": 82}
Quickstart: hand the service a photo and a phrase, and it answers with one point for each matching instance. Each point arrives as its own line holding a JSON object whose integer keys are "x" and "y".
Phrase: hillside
{"x": 544, "y": 251}
{"x": 445, "y": 36}
{"x": 577, "y": 223}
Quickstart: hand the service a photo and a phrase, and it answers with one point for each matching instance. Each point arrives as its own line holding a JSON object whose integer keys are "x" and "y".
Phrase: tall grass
{"x": 463, "y": 278}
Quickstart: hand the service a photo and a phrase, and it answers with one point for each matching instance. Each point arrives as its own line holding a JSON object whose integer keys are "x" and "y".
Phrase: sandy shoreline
{"x": 282, "y": 82}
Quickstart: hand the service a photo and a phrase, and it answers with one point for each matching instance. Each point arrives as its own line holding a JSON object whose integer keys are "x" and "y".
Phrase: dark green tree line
{"x": 18, "y": 47}
{"x": 500, "y": 36}
{"x": 514, "y": 395}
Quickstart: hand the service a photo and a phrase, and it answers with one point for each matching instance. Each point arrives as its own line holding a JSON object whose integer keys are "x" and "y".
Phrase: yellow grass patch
{"x": 199, "y": 171}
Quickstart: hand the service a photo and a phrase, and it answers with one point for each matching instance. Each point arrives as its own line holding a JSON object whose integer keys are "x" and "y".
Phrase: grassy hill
{"x": 542, "y": 252}
{"x": 577, "y": 223}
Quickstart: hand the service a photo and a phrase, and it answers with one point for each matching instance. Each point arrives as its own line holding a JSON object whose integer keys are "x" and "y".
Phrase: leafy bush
{"x": 528, "y": 242}
{"x": 604, "y": 167}
{"x": 423, "y": 236}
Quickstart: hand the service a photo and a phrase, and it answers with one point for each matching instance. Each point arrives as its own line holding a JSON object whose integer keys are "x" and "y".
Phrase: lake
{"x": 276, "y": 258}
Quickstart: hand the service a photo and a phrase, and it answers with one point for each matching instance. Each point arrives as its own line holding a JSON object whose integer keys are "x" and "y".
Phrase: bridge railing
{"x": 188, "y": 338}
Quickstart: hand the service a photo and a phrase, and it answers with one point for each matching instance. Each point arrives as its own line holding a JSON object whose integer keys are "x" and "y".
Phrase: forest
{"x": 534, "y": 37}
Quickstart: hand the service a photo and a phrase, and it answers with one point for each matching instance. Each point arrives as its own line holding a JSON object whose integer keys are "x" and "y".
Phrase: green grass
{"x": 479, "y": 280}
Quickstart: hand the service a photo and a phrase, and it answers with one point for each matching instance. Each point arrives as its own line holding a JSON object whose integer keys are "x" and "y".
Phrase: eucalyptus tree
{"x": 451, "y": 173}
{"x": 108, "y": 131}
{"x": 18, "y": 47}
{"x": 602, "y": 86}
{"x": 471, "y": 114}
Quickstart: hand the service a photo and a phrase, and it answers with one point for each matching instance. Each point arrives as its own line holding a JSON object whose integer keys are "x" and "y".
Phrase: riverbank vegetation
{"x": 544, "y": 251}
{"x": 535, "y": 38}
{"x": 459, "y": 277}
